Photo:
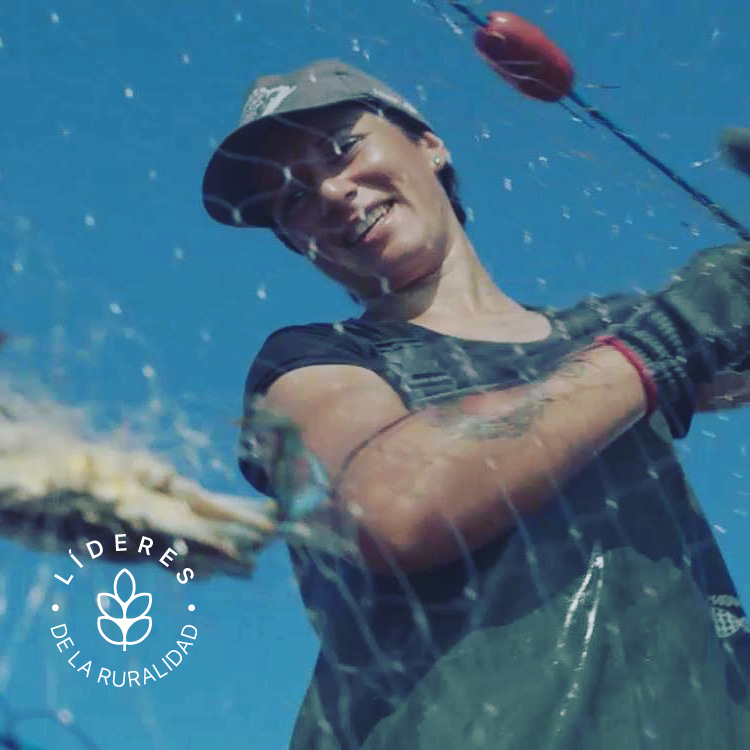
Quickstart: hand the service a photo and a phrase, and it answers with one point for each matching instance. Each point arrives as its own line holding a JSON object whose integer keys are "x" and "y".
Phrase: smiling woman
{"x": 340, "y": 142}
{"x": 521, "y": 562}
{"x": 304, "y": 171}
{"x": 380, "y": 233}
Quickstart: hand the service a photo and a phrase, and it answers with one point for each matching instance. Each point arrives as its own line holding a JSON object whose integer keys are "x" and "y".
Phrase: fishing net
{"x": 129, "y": 322}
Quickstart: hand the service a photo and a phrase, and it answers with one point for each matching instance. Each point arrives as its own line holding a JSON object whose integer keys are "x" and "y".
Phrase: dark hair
{"x": 447, "y": 174}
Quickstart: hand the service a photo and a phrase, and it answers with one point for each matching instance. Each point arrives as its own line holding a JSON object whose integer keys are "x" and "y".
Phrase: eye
{"x": 342, "y": 146}
{"x": 294, "y": 196}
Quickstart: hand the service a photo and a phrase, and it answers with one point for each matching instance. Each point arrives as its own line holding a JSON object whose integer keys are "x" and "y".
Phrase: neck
{"x": 459, "y": 287}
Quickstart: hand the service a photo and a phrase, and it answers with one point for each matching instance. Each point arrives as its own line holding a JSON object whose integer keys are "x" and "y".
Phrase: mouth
{"x": 365, "y": 225}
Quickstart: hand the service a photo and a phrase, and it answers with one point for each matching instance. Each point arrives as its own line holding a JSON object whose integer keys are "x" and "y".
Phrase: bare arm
{"x": 422, "y": 486}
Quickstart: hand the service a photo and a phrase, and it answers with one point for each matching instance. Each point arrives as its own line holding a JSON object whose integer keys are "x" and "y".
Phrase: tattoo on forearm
{"x": 514, "y": 424}
{"x": 572, "y": 368}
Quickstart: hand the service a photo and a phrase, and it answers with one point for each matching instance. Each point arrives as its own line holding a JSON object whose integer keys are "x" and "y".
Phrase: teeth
{"x": 366, "y": 223}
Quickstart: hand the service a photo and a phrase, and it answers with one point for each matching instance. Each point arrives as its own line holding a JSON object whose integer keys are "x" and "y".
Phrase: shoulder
{"x": 322, "y": 378}
{"x": 330, "y": 336}
{"x": 297, "y": 346}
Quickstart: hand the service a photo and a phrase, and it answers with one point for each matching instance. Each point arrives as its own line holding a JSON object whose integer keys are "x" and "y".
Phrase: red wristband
{"x": 649, "y": 386}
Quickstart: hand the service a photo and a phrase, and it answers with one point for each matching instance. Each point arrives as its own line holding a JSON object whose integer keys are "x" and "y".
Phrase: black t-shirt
{"x": 606, "y": 619}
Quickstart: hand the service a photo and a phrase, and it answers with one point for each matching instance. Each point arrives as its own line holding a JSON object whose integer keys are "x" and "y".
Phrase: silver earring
{"x": 436, "y": 161}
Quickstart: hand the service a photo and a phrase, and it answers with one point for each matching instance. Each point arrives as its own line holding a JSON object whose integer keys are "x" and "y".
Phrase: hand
{"x": 297, "y": 478}
{"x": 695, "y": 328}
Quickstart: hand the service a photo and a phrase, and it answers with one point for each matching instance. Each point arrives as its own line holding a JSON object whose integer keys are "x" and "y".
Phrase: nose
{"x": 337, "y": 191}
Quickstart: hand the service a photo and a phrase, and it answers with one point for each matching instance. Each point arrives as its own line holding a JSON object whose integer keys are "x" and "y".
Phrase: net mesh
{"x": 131, "y": 322}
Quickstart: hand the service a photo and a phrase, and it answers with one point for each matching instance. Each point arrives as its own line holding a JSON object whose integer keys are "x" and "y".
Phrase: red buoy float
{"x": 522, "y": 55}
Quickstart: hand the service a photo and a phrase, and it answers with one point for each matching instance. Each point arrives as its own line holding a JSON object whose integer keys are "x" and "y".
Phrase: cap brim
{"x": 229, "y": 196}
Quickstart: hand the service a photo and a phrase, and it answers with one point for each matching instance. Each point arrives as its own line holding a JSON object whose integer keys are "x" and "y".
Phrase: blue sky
{"x": 110, "y": 266}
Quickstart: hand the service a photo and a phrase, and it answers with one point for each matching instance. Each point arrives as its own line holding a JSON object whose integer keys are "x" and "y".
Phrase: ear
{"x": 433, "y": 147}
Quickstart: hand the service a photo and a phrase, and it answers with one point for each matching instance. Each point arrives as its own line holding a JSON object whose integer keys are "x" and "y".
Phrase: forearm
{"x": 455, "y": 476}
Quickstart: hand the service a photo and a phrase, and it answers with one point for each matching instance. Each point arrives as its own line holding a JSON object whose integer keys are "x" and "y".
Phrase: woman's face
{"x": 361, "y": 195}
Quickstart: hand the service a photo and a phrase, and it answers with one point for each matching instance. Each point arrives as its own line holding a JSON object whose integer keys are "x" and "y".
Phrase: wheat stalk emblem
{"x": 124, "y": 622}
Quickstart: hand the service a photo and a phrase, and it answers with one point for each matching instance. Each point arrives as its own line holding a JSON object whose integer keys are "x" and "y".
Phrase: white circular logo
{"x": 124, "y": 622}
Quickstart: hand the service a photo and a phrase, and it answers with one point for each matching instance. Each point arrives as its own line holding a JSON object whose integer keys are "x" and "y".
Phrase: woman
{"x": 522, "y": 564}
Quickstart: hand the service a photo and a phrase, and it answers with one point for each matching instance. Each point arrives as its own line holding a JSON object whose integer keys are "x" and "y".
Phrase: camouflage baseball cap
{"x": 227, "y": 185}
